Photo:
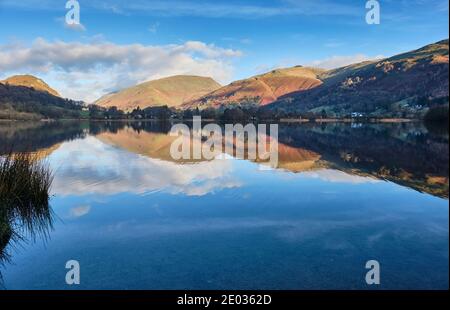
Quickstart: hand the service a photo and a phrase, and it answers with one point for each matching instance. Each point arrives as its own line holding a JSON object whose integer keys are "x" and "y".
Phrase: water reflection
{"x": 118, "y": 171}
{"x": 342, "y": 194}
{"x": 24, "y": 200}
{"x": 407, "y": 154}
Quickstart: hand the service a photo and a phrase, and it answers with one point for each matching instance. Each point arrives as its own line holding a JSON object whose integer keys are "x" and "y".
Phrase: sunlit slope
{"x": 172, "y": 91}
{"x": 261, "y": 89}
{"x": 31, "y": 82}
{"x": 375, "y": 86}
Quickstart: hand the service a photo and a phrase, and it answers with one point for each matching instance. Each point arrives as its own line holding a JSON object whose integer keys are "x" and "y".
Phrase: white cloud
{"x": 336, "y": 176}
{"x": 79, "y": 211}
{"x": 87, "y": 71}
{"x": 141, "y": 175}
{"x": 341, "y": 61}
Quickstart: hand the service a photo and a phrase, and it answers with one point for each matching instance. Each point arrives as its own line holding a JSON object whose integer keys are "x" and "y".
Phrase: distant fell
{"x": 31, "y": 82}
{"x": 27, "y": 97}
{"x": 400, "y": 85}
{"x": 261, "y": 89}
{"x": 171, "y": 91}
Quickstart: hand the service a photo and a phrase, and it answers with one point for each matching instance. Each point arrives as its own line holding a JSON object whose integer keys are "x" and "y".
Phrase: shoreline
{"x": 351, "y": 120}
{"x": 283, "y": 120}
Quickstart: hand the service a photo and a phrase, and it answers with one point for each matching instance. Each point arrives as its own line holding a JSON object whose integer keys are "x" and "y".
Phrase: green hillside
{"x": 21, "y": 102}
{"x": 403, "y": 85}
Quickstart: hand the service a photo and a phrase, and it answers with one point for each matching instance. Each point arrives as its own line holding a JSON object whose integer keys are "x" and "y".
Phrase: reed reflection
{"x": 25, "y": 212}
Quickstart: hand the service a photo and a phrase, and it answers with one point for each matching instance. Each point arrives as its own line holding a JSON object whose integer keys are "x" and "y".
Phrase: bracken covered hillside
{"x": 405, "y": 82}
{"x": 262, "y": 89}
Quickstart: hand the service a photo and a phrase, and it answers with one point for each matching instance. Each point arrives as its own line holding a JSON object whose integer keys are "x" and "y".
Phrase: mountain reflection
{"x": 118, "y": 170}
{"x": 114, "y": 157}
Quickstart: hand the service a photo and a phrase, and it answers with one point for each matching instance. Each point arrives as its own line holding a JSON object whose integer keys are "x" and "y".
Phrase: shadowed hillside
{"x": 22, "y": 102}
{"x": 404, "y": 84}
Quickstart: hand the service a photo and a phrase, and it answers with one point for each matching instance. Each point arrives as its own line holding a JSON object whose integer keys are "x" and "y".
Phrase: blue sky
{"x": 121, "y": 43}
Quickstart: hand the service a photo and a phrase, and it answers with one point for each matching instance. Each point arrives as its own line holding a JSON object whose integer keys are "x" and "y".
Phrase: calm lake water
{"x": 134, "y": 218}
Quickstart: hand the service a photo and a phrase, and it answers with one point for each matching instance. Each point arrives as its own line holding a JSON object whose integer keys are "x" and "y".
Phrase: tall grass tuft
{"x": 25, "y": 184}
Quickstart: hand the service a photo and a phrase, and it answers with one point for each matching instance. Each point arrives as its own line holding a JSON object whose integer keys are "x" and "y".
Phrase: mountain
{"x": 172, "y": 91}
{"x": 28, "y": 97}
{"x": 404, "y": 83}
{"x": 31, "y": 82}
{"x": 261, "y": 89}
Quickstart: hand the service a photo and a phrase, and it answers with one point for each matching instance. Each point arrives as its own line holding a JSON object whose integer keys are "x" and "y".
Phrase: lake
{"x": 134, "y": 218}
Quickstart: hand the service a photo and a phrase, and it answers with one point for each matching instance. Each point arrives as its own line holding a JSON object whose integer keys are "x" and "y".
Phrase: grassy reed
{"x": 25, "y": 184}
